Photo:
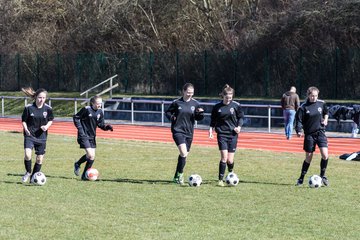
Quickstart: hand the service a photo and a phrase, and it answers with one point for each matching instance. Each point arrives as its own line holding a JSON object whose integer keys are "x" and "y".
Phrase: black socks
{"x": 222, "y": 168}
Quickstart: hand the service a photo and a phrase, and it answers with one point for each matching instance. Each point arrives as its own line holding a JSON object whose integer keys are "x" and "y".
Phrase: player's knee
{"x": 39, "y": 159}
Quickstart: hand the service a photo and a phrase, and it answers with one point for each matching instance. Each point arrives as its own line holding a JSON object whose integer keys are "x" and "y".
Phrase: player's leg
{"x": 90, "y": 158}
{"x": 323, "y": 165}
{"x": 231, "y": 153}
{"x": 27, "y": 164}
{"x": 323, "y": 146}
{"x": 183, "y": 144}
{"x": 222, "y": 166}
{"x": 223, "y": 148}
{"x": 309, "y": 148}
{"x": 179, "y": 173}
{"x": 304, "y": 168}
{"x": 28, "y": 146}
{"x": 40, "y": 149}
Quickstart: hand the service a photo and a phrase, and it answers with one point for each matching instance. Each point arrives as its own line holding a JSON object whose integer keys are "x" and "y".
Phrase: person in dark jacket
{"x": 36, "y": 120}
{"x": 310, "y": 121}
{"x": 86, "y": 121}
{"x": 226, "y": 119}
{"x": 183, "y": 112}
{"x": 289, "y": 103}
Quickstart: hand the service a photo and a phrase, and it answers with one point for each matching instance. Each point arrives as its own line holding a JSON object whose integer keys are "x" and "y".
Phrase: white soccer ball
{"x": 315, "y": 181}
{"x": 195, "y": 180}
{"x": 92, "y": 174}
{"x": 38, "y": 178}
{"x": 232, "y": 179}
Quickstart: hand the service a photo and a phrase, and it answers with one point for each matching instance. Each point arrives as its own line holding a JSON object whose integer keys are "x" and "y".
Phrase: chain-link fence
{"x": 262, "y": 73}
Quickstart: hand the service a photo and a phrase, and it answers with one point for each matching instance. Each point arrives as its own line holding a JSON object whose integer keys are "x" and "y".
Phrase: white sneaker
{"x": 26, "y": 177}
{"x": 352, "y": 156}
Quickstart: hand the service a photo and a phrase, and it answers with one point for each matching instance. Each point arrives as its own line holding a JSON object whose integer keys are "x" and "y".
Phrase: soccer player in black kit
{"x": 36, "y": 120}
{"x": 227, "y": 119}
{"x": 312, "y": 117}
{"x": 86, "y": 121}
{"x": 182, "y": 113}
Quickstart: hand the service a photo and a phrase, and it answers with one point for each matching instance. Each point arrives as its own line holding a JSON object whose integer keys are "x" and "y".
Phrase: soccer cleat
{"x": 76, "y": 169}
{"x": 299, "y": 182}
{"x": 325, "y": 181}
{"x": 352, "y": 156}
{"x": 181, "y": 179}
{"x": 221, "y": 183}
{"x": 26, "y": 177}
{"x": 175, "y": 179}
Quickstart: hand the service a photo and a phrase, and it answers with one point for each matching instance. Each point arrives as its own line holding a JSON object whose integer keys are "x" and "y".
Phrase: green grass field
{"x": 135, "y": 198}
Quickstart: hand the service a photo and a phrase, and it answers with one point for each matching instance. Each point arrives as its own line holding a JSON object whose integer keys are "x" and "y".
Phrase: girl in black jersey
{"x": 36, "y": 120}
{"x": 86, "y": 121}
{"x": 227, "y": 120}
{"x": 182, "y": 113}
{"x": 312, "y": 118}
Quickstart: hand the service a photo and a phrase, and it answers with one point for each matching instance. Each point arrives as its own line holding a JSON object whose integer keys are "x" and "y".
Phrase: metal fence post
{"x": 269, "y": 118}
{"x": 75, "y": 105}
{"x": 162, "y": 113}
{"x": 2, "y": 106}
{"x": 132, "y": 112}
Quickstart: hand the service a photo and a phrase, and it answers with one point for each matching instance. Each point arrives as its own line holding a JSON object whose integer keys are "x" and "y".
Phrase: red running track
{"x": 247, "y": 140}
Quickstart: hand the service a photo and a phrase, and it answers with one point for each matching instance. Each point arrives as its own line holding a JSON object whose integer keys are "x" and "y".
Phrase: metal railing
{"x": 133, "y": 110}
{"x": 109, "y": 89}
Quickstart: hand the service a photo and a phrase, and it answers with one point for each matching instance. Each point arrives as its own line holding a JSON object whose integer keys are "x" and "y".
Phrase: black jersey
{"x": 35, "y": 118}
{"x": 185, "y": 114}
{"x": 86, "y": 121}
{"x": 310, "y": 115}
{"x": 224, "y": 118}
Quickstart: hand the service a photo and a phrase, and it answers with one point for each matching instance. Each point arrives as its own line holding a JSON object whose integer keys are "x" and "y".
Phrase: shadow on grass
{"x": 137, "y": 181}
{"x": 266, "y": 183}
{"x": 149, "y": 181}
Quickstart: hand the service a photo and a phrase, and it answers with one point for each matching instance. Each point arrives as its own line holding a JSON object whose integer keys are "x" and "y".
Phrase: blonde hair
{"x": 311, "y": 89}
{"x": 226, "y": 89}
{"x": 29, "y": 91}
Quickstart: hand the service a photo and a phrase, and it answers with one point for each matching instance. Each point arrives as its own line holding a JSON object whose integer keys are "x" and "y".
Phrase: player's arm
{"x": 212, "y": 122}
{"x": 24, "y": 117}
{"x": 50, "y": 120}
{"x": 240, "y": 119}
{"x": 298, "y": 122}
{"x": 326, "y": 115}
{"x": 47, "y": 126}
{"x": 199, "y": 113}
{"x": 26, "y": 130}
{"x": 101, "y": 124}
{"x": 77, "y": 122}
{"x": 170, "y": 112}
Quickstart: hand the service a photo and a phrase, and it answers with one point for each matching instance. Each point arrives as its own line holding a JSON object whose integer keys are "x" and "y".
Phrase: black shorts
{"x": 228, "y": 143}
{"x": 38, "y": 145}
{"x": 180, "y": 138}
{"x": 87, "y": 142}
{"x": 311, "y": 140}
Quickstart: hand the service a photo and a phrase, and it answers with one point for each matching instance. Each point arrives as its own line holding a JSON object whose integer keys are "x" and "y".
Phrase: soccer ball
{"x": 92, "y": 174}
{"x": 315, "y": 181}
{"x": 232, "y": 179}
{"x": 38, "y": 178}
{"x": 195, "y": 180}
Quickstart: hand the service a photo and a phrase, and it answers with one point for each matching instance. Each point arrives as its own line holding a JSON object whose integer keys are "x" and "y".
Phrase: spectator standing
{"x": 290, "y": 103}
